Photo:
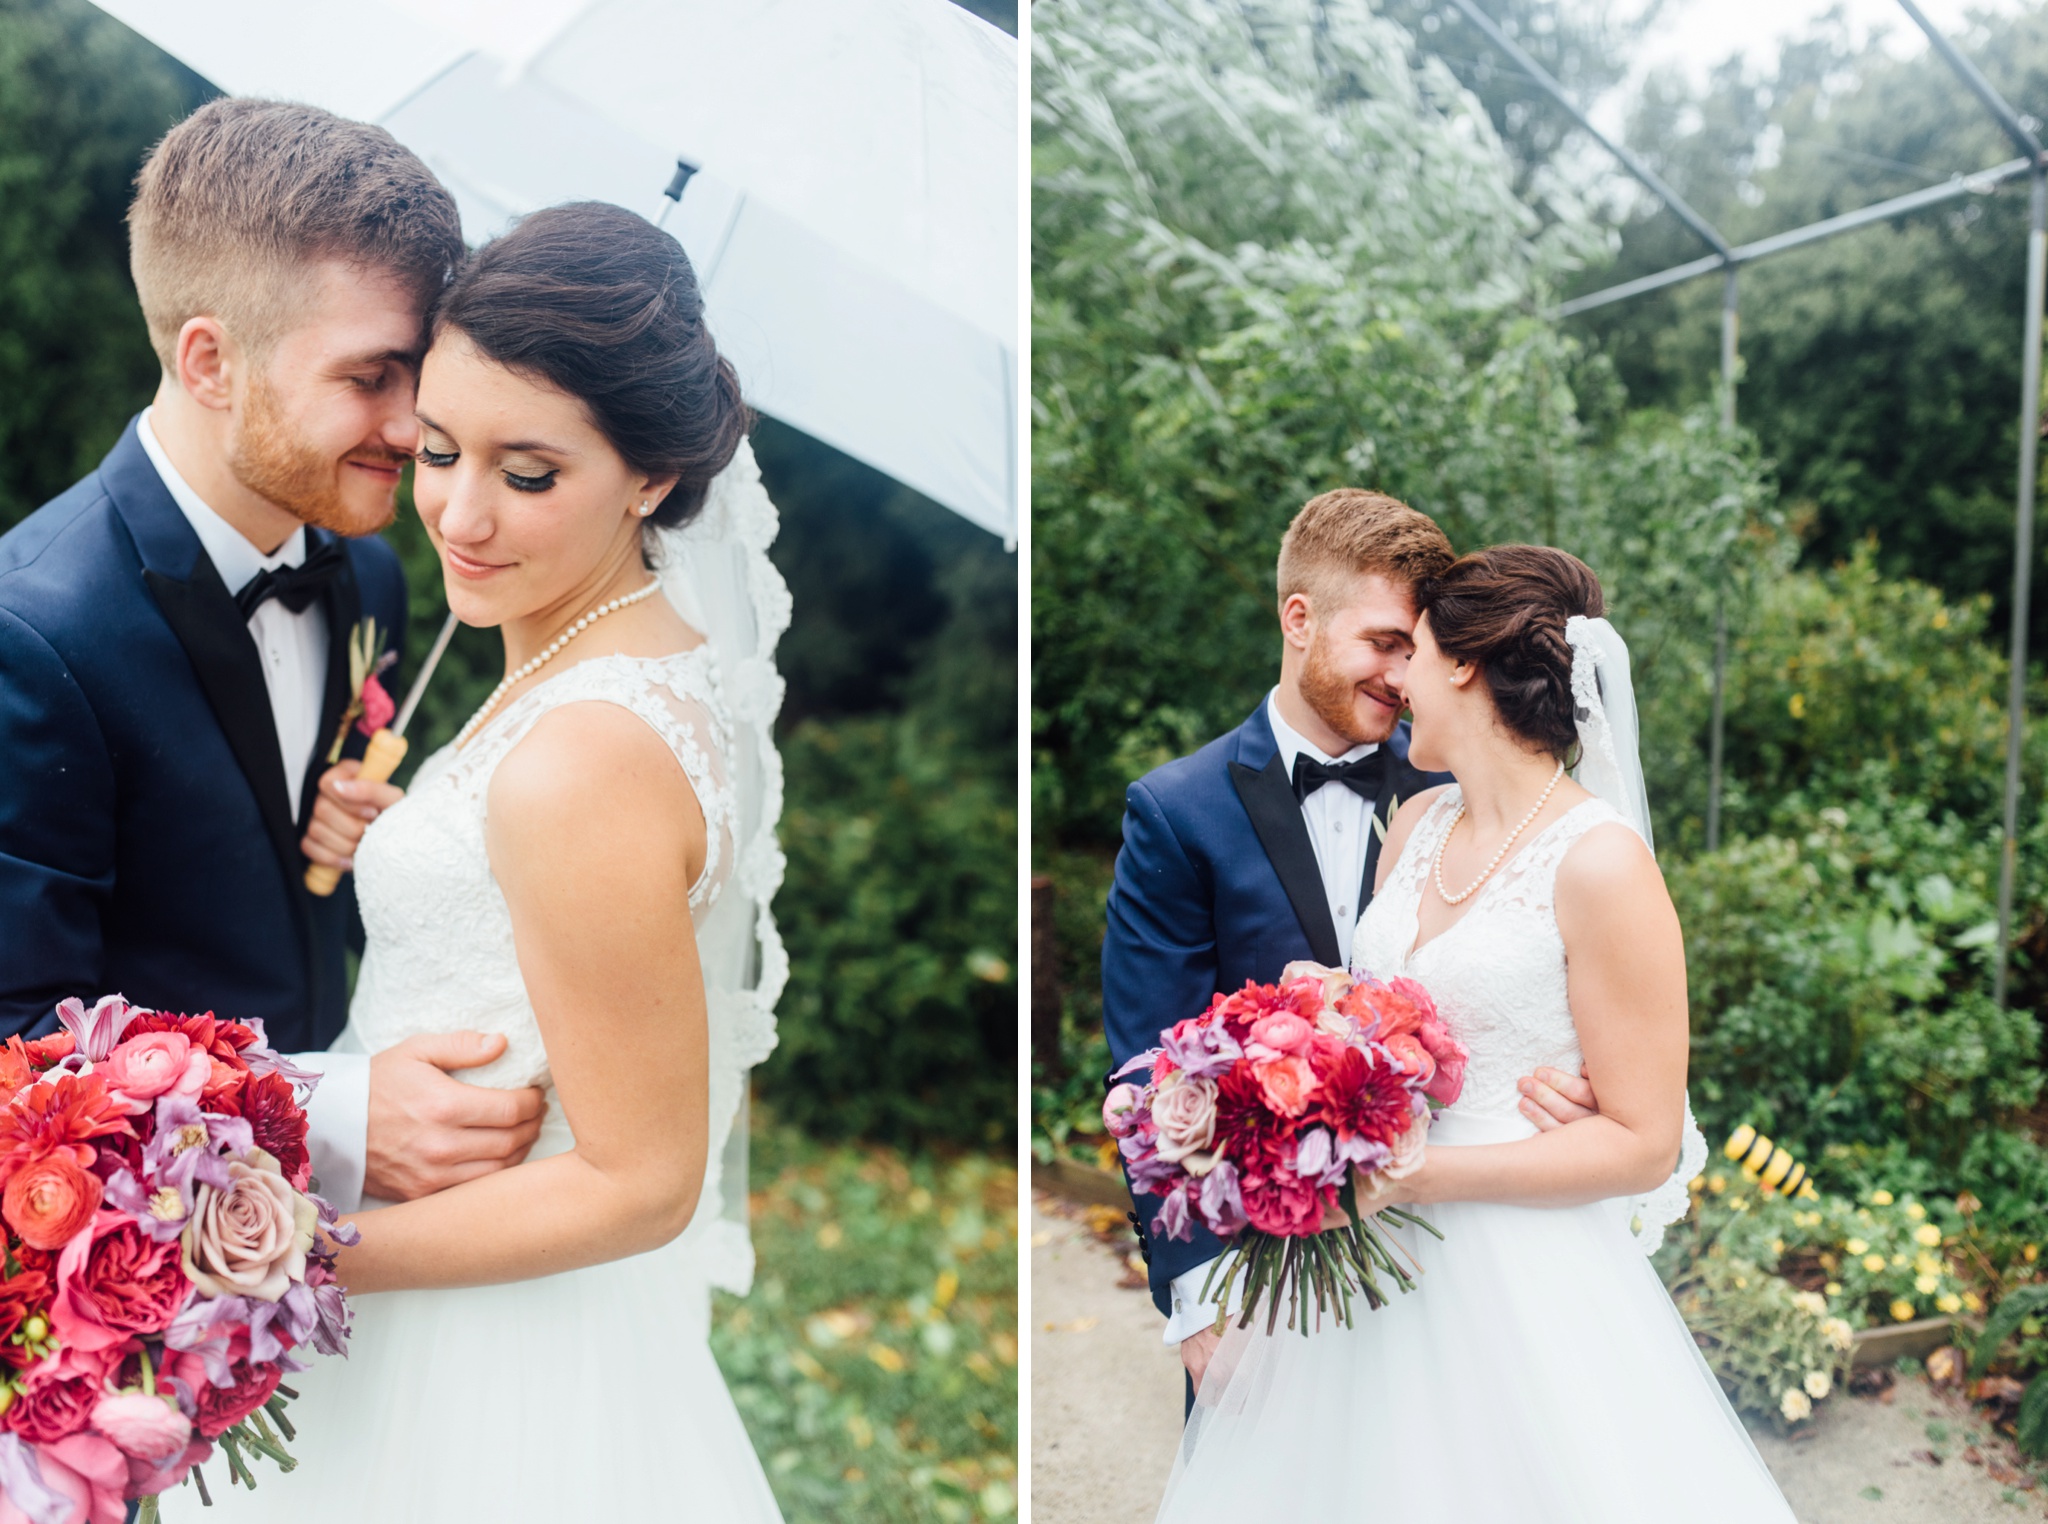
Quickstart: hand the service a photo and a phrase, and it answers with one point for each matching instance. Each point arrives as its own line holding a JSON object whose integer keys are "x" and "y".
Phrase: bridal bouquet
{"x": 1255, "y": 1115}
{"x": 161, "y": 1259}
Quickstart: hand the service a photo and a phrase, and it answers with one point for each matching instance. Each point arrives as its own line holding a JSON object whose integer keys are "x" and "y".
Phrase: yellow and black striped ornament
{"x": 1768, "y": 1165}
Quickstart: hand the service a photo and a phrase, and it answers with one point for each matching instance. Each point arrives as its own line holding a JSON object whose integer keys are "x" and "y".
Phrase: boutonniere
{"x": 369, "y": 706}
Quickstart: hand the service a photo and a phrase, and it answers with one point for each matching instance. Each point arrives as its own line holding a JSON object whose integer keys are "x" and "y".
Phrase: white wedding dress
{"x": 1539, "y": 1371}
{"x": 588, "y": 1395}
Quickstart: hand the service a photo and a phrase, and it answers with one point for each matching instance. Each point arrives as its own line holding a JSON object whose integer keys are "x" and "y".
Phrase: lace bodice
{"x": 1498, "y": 976}
{"x": 440, "y": 955}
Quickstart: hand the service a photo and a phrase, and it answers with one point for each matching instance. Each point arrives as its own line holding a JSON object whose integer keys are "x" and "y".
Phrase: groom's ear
{"x": 207, "y": 359}
{"x": 1297, "y": 620}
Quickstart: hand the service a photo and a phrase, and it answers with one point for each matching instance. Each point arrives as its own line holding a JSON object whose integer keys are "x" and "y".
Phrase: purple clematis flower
{"x": 204, "y": 1329}
{"x": 1205, "y": 1052}
{"x": 1316, "y": 1158}
{"x": 189, "y": 1142}
{"x": 263, "y": 1059}
{"x": 1357, "y": 1152}
{"x": 1174, "y": 1219}
{"x": 161, "y": 1213}
{"x": 1223, "y": 1200}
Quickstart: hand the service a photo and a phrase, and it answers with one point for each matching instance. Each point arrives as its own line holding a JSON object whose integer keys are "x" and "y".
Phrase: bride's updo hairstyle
{"x": 1504, "y": 610}
{"x": 601, "y": 304}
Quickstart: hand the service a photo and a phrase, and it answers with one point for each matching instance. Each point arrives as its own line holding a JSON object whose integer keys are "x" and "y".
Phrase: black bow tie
{"x": 1362, "y": 775}
{"x": 293, "y": 586}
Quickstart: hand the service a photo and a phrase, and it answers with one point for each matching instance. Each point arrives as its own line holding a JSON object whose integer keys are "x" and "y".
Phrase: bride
{"x": 1538, "y": 1371}
{"x": 586, "y": 870}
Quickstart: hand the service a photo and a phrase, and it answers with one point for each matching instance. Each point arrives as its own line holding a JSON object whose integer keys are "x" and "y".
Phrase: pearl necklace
{"x": 513, "y": 678}
{"x": 1487, "y": 872}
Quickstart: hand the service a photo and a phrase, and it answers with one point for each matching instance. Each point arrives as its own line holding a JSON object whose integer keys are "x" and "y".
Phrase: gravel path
{"x": 1106, "y": 1403}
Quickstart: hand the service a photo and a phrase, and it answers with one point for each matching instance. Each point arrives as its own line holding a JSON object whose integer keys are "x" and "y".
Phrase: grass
{"x": 875, "y": 1362}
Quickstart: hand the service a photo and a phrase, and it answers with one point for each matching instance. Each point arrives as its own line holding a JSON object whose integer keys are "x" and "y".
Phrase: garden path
{"x": 1106, "y": 1401}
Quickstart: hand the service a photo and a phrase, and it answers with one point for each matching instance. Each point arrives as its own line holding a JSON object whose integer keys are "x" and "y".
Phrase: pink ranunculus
{"x": 141, "y": 1426}
{"x": 1120, "y": 1110}
{"x": 1281, "y": 1201}
{"x": 1283, "y": 1032}
{"x": 87, "y": 1470}
{"x": 154, "y": 1064}
{"x": 1408, "y": 1150}
{"x": 1413, "y": 1058}
{"x": 250, "y": 1239}
{"x": 1288, "y": 1084}
{"x": 58, "y": 1393}
{"x": 1184, "y": 1111}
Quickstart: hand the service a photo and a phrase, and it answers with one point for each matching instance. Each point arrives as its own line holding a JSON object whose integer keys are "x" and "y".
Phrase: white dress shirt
{"x": 293, "y": 648}
{"x": 1339, "y": 823}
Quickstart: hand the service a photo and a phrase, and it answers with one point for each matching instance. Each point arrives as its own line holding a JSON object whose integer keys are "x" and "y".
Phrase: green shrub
{"x": 1777, "y": 1351}
{"x": 899, "y": 1021}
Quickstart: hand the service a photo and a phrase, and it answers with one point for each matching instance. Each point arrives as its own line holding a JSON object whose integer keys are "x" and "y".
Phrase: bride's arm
{"x": 1626, "y": 962}
{"x": 594, "y": 838}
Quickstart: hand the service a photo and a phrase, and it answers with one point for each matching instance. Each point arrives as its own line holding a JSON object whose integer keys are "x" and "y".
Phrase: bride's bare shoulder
{"x": 1609, "y": 876}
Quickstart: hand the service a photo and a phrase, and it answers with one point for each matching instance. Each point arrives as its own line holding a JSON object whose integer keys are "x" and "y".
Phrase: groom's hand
{"x": 343, "y": 811}
{"x": 1196, "y": 1351}
{"x": 429, "y": 1131}
{"x": 1551, "y": 1098}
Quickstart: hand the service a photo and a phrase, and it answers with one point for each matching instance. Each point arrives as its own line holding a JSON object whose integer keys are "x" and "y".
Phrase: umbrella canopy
{"x": 854, "y": 220}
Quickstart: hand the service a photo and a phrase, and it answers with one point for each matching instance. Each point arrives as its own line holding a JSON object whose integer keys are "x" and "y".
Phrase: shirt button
{"x": 1337, "y": 826}
{"x": 1343, "y": 911}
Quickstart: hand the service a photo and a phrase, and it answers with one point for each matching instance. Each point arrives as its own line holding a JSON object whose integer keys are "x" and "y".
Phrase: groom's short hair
{"x": 1351, "y": 533}
{"x": 241, "y": 195}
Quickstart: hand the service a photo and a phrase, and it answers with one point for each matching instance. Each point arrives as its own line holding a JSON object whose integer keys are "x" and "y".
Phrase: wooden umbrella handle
{"x": 380, "y": 761}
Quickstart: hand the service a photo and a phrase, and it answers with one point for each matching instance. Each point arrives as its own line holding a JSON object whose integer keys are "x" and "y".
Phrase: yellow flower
{"x": 1948, "y": 1301}
{"x": 1833, "y": 1288}
{"x": 1798, "y": 708}
{"x": 1810, "y": 1302}
{"x": 1818, "y": 1384}
{"x": 1857, "y": 1246}
{"x": 1900, "y": 1261}
{"x": 2030, "y": 1253}
{"x": 1973, "y": 1302}
{"x": 1697, "y": 1184}
{"x": 1880, "y": 1198}
{"x": 1927, "y": 1233}
{"x": 1902, "y": 1311}
{"x": 1838, "y": 1333}
{"x": 1925, "y": 1284}
{"x": 1873, "y": 1263}
{"x": 1717, "y": 1183}
{"x": 1795, "y": 1405}
{"x": 1915, "y": 1211}
{"x": 1777, "y": 1244}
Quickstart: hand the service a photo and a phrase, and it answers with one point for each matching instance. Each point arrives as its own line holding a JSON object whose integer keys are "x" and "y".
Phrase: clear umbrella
{"x": 854, "y": 214}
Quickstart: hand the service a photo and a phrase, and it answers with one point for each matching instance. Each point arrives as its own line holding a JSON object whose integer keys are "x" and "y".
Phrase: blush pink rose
{"x": 1184, "y": 1111}
{"x": 1336, "y": 982}
{"x": 1288, "y": 1084}
{"x": 1120, "y": 1110}
{"x": 1413, "y": 1058}
{"x": 154, "y": 1064}
{"x": 141, "y": 1426}
{"x": 250, "y": 1239}
{"x": 1283, "y": 1032}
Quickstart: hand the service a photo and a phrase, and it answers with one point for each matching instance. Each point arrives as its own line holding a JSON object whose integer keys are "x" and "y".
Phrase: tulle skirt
{"x": 1538, "y": 1372}
{"x": 586, "y": 1395}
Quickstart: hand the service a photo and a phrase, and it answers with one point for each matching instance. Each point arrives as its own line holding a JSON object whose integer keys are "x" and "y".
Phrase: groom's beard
{"x": 1333, "y": 696}
{"x": 269, "y": 459}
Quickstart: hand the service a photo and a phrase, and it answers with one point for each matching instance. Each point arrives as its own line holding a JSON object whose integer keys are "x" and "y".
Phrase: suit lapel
{"x": 1276, "y": 817}
{"x": 216, "y": 639}
{"x": 341, "y": 604}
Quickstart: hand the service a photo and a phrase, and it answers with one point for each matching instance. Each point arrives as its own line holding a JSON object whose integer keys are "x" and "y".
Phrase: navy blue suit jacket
{"x": 1217, "y": 884}
{"x": 147, "y": 846}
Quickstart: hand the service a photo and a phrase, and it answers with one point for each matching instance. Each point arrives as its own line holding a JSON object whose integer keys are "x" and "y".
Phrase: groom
{"x": 175, "y": 630}
{"x": 1261, "y": 848}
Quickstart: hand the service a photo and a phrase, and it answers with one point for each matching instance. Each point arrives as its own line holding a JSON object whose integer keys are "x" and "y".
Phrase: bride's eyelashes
{"x": 513, "y": 479}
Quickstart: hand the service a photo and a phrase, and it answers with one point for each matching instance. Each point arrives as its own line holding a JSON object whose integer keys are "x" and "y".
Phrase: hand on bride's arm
{"x": 594, "y": 837}
{"x": 427, "y": 1130}
{"x": 343, "y": 811}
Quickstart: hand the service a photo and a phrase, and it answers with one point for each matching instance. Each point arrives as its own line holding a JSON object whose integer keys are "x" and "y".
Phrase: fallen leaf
{"x": 1973, "y": 1455}
{"x": 1945, "y": 1366}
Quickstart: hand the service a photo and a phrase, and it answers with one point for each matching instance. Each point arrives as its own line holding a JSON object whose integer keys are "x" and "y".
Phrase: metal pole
{"x": 1717, "y": 729}
{"x": 2022, "y": 570}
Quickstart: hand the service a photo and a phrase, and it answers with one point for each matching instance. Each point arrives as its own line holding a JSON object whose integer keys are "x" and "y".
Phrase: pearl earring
{"x": 645, "y": 509}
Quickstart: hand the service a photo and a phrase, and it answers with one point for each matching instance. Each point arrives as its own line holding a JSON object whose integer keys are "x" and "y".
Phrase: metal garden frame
{"x": 1728, "y": 260}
